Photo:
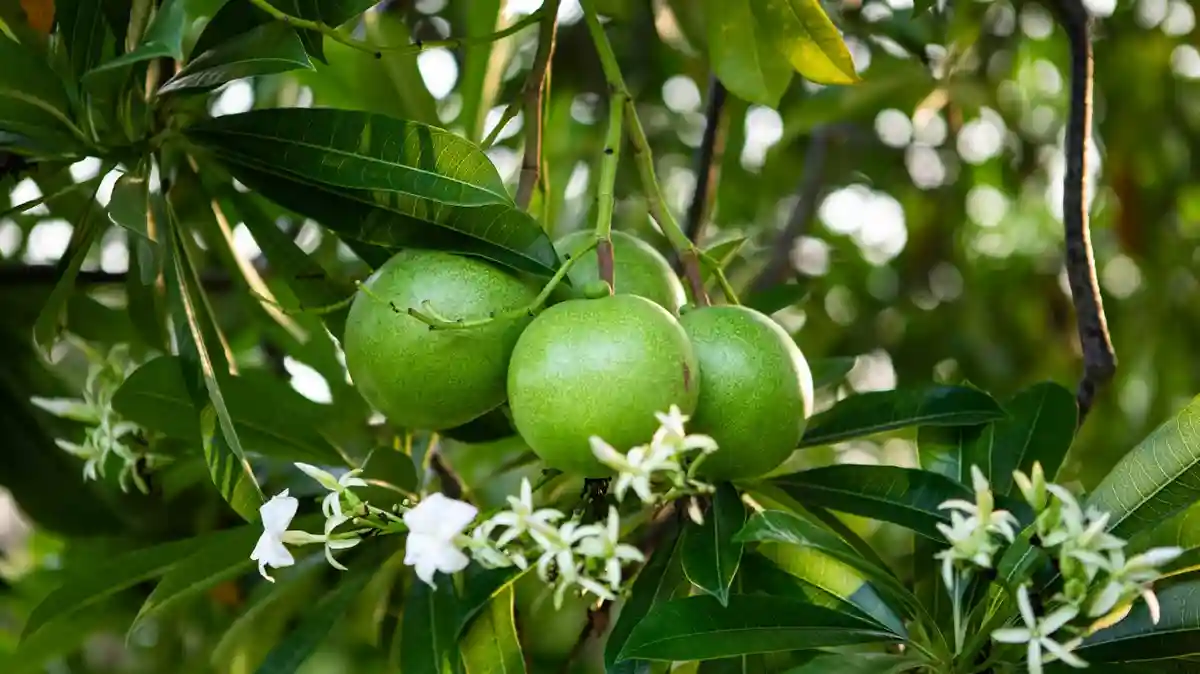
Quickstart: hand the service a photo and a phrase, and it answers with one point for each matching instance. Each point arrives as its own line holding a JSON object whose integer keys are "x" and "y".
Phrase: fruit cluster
{"x": 592, "y": 363}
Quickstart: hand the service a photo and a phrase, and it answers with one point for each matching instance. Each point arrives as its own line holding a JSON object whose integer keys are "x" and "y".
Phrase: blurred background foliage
{"x": 917, "y": 217}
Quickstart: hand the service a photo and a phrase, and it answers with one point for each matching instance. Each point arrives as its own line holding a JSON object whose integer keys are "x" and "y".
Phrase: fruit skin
{"x": 433, "y": 379}
{"x": 638, "y": 269}
{"x": 757, "y": 393}
{"x": 549, "y": 634}
{"x": 598, "y": 367}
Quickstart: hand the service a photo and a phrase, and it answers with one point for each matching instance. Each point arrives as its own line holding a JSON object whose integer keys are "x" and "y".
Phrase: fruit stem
{"x": 644, "y": 158}
{"x": 605, "y": 190}
{"x": 429, "y": 316}
{"x": 715, "y": 267}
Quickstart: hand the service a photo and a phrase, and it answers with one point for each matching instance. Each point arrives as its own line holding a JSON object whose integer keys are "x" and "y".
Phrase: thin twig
{"x": 808, "y": 192}
{"x": 1099, "y": 361}
{"x": 535, "y": 84}
{"x": 708, "y": 161}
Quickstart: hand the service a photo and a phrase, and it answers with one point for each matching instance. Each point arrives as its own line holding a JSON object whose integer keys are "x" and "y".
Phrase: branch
{"x": 531, "y": 165}
{"x": 708, "y": 160}
{"x": 1099, "y": 361}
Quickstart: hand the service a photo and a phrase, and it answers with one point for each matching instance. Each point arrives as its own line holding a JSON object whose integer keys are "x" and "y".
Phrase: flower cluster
{"x": 564, "y": 551}
{"x": 1098, "y": 583}
{"x": 108, "y": 434}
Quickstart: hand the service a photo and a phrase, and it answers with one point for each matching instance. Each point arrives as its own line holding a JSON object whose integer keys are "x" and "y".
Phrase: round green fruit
{"x": 757, "y": 393}
{"x": 433, "y": 379}
{"x": 598, "y": 367}
{"x": 549, "y": 634}
{"x": 638, "y": 269}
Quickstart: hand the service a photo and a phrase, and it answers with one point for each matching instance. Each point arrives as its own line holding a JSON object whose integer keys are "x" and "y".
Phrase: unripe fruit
{"x": 638, "y": 269}
{"x": 549, "y": 634}
{"x": 598, "y": 367}
{"x": 433, "y": 379}
{"x": 594, "y": 290}
{"x": 757, "y": 393}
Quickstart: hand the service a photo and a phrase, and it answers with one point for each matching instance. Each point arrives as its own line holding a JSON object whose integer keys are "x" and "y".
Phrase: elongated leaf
{"x": 236, "y": 18}
{"x": 84, "y": 30}
{"x": 392, "y": 476}
{"x": 742, "y": 55}
{"x": 743, "y": 664}
{"x": 830, "y": 371}
{"x": 270, "y": 48}
{"x": 806, "y": 38}
{"x": 482, "y": 68}
{"x": 116, "y": 13}
{"x": 270, "y": 417}
{"x": 163, "y": 38}
{"x": 1155, "y": 480}
{"x": 491, "y": 645}
{"x": 84, "y": 587}
{"x": 1137, "y": 638}
{"x": 903, "y": 496}
{"x": 269, "y": 601}
{"x": 502, "y": 234}
{"x": 949, "y": 450}
{"x": 223, "y": 452}
{"x": 660, "y": 580}
{"x": 710, "y": 551}
{"x": 289, "y": 654}
{"x": 128, "y": 206}
{"x": 858, "y": 663}
{"x": 33, "y": 101}
{"x": 358, "y": 151}
{"x": 877, "y": 411}
{"x": 778, "y": 297}
{"x": 699, "y": 628}
{"x": 427, "y": 638}
{"x": 1039, "y": 428}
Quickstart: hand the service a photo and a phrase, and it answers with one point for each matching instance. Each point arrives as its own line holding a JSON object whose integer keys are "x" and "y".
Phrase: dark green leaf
{"x": 699, "y": 628}
{"x": 494, "y": 425}
{"x": 269, "y": 601}
{"x": 116, "y": 12}
{"x": 903, "y": 496}
{"x": 779, "y": 297}
{"x": 289, "y": 654}
{"x": 427, "y": 638}
{"x": 480, "y": 587}
{"x": 830, "y": 371}
{"x": 33, "y": 102}
{"x": 502, "y": 234}
{"x": 352, "y": 150}
{"x": 743, "y": 57}
{"x": 192, "y": 319}
{"x": 710, "y": 551}
{"x": 743, "y": 664}
{"x": 1039, "y": 427}
{"x": 1155, "y": 480}
{"x": 83, "y": 587}
{"x": 271, "y": 418}
{"x": 804, "y": 35}
{"x": 660, "y": 580}
{"x": 84, "y": 30}
{"x": 878, "y": 411}
{"x": 1138, "y": 638}
{"x": 128, "y": 205}
{"x": 949, "y": 450}
{"x": 392, "y": 476}
{"x": 163, "y": 38}
{"x": 859, "y": 663}
{"x": 491, "y": 645}
{"x": 270, "y": 48}
{"x": 235, "y": 18}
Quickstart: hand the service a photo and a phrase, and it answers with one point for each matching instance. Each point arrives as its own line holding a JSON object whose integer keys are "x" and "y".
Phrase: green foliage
{"x": 710, "y": 551}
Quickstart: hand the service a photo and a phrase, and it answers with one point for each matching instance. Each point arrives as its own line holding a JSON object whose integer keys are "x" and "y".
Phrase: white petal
{"x": 277, "y": 513}
{"x": 606, "y": 454}
{"x": 641, "y": 485}
{"x": 959, "y": 504}
{"x": 343, "y": 543}
{"x": 1035, "y": 657}
{"x": 270, "y": 551}
{"x": 703, "y": 443}
{"x": 1156, "y": 557}
{"x": 326, "y": 478}
{"x": 333, "y": 562}
{"x": 1106, "y": 600}
{"x": 451, "y": 560}
{"x": 351, "y": 479}
{"x": 1026, "y": 607}
{"x": 978, "y": 480}
{"x": 1058, "y": 651}
{"x": 444, "y": 517}
{"x": 1012, "y": 635}
{"x": 1053, "y": 622}
{"x": 1151, "y": 600}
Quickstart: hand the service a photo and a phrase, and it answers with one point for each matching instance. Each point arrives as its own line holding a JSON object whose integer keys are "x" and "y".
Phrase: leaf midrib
{"x": 782, "y": 628}
{"x": 894, "y": 424}
{"x": 876, "y": 499}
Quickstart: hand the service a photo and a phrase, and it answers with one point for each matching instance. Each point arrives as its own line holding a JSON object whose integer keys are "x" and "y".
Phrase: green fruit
{"x": 638, "y": 269}
{"x": 757, "y": 393}
{"x": 594, "y": 290}
{"x": 549, "y": 634}
{"x": 433, "y": 379}
{"x": 598, "y": 367}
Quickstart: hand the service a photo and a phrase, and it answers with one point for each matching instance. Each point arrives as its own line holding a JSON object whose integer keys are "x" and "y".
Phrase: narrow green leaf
{"x": 358, "y": 151}
{"x": 480, "y": 587}
{"x": 1039, "y": 427}
{"x": 270, "y": 417}
{"x": 949, "y": 450}
{"x": 779, "y": 297}
{"x": 805, "y": 36}
{"x": 233, "y": 19}
{"x": 710, "y": 551}
{"x": 723, "y": 253}
{"x": 660, "y": 580}
{"x": 83, "y": 587}
{"x": 830, "y": 371}
{"x": 116, "y": 13}
{"x": 270, "y": 48}
{"x": 903, "y": 496}
{"x": 1155, "y": 480}
{"x": 408, "y": 97}
{"x": 483, "y": 67}
{"x": 878, "y": 411}
{"x": 427, "y": 638}
{"x": 269, "y": 601}
{"x": 84, "y": 30}
{"x": 163, "y": 38}
{"x": 859, "y": 663}
{"x": 289, "y": 654}
{"x": 744, "y": 57}
{"x": 128, "y": 205}
{"x": 1137, "y": 638}
{"x": 491, "y": 645}
{"x": 33, "y": 102}
{"x": 699, "y": 628}
{"x": 223, "y": 452}
{"x": 392, "y": 476}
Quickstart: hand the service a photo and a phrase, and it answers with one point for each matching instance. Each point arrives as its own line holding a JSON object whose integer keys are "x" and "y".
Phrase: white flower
{"x": 332, "y": 544}
{"x": 672, "y": 437}
{"x": 606, "y": 545}
{"x": 634, "y": 469}
{"x": 1132, "y": 576}
{"x": 523, "y": 517}
{"x": 1038, "y": 633}
{"x": 434, "y": 525}
{"x": 998, "y": 521}
{"x": 332, "y": 504}
{"x": 276, "y": 515}
{"x": 559, "y": 550}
